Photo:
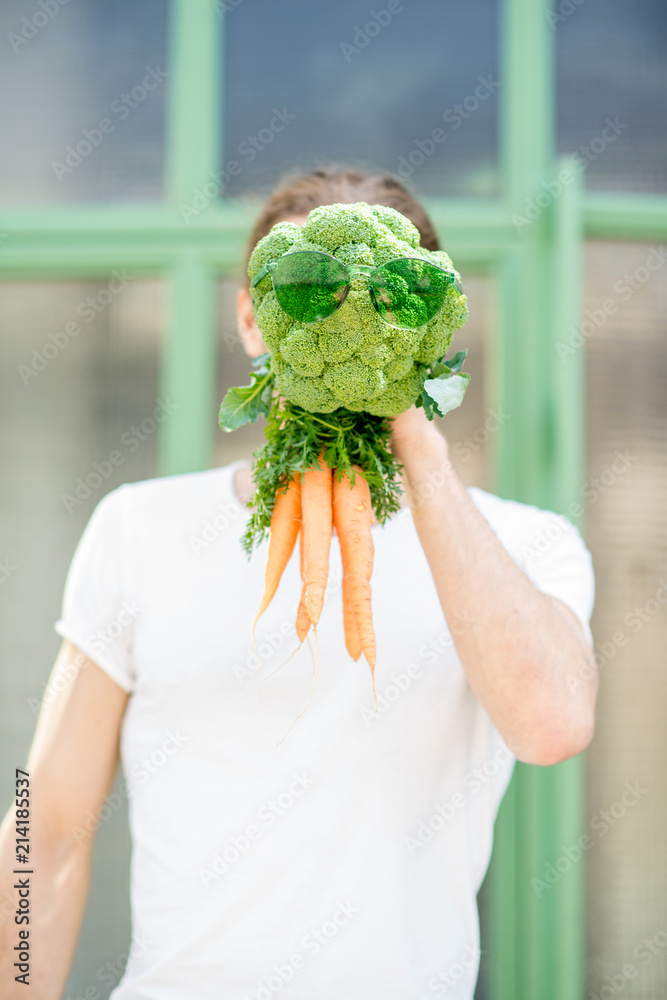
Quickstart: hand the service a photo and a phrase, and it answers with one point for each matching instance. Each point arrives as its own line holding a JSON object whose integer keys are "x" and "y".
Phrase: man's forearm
{"x": 59, "y": 888}
{"x": 516, "y": 644}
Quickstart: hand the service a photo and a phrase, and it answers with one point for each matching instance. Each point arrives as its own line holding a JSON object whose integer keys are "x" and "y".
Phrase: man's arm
{"x": 516, "y": 644}
{"x": 72, "y": 763}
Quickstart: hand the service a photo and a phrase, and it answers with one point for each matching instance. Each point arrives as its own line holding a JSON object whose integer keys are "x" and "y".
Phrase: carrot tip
{"x": 314, "y": 601}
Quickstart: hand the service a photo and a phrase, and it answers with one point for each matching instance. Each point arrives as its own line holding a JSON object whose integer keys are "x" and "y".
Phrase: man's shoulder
{"x": 167, "y": 496}
{"x": 526, "y": 529}
{"x": 502, "y": 510}
{"x": 177, "y": 484}
{"x": 513, "y": 518}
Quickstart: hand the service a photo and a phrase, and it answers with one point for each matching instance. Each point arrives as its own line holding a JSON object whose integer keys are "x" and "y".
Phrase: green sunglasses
{"x": 311, "y": 285}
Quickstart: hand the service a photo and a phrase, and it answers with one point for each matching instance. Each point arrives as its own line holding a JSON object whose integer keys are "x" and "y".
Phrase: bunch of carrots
{"x": 311, "y": 506}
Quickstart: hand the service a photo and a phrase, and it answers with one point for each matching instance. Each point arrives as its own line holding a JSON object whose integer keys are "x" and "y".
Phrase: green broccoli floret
{"x": 398, "y": 224}
{"x": 352, "y": 358}
{"x": 399, "y": 396}
{"x": 274, "y": 244}
{"x": 353, "y": 381}
{"x": 335, "y": 225}
{"x": 356, "y": 253}
{"x": 387, "y": 246}
{"x": 338, "y": 336}
{"x": 398, "y": 367}
{"x": 310, "y": 393}
{"x": 299, "y": 349}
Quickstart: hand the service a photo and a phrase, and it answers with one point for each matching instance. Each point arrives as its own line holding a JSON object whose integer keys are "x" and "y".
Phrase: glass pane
{"x": 85, "y": 121}
{"x": 612, "y": 91}
{"x": 626, "y": 485}
{"x": 364, "y": 87}
{"x": 75, "y": 422}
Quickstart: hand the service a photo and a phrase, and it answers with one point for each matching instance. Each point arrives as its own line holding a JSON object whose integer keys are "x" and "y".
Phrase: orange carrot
{"x": 317, "y": 530}
{"x": 285, "y": 525}
{"x": 303, "y": 621}
{"x": 352, "y": 641}
{"x": 352, "y": 516}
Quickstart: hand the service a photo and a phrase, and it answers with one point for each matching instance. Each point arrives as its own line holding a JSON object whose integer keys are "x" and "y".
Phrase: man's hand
{"x": 413, "y": 427}
{"x": 519, "y": 645}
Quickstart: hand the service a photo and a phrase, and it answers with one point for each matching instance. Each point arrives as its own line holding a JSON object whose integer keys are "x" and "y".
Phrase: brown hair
{"x": 300, "y": 194}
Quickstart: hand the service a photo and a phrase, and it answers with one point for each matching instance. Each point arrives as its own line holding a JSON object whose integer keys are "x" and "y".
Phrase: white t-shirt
{"x": 345, "y": 861}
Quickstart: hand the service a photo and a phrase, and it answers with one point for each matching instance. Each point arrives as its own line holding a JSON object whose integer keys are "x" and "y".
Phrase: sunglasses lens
{"x": 310, "y": 285}
{"x": 409, "y": 292}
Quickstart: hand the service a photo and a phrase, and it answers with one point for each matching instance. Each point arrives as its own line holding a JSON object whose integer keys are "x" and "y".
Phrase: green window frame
{"x": 536, "y": 945}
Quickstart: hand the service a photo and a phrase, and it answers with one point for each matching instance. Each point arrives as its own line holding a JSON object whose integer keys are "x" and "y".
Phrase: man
{"x": 345, "y": 859}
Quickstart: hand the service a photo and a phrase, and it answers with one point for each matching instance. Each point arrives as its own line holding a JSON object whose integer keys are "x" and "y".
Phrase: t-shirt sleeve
{"x": 96, "y": 614}
{"x": 553, "y": 555}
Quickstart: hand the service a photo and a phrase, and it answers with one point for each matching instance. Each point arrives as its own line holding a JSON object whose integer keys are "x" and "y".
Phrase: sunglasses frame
{"x": 350, "y": 269}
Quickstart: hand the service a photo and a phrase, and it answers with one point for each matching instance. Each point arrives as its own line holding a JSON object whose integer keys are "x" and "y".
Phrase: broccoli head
{"x": 353, "y": 359}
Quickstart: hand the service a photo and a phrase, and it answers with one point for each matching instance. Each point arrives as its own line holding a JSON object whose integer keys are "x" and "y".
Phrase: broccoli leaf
{"x": 244, "y": 404}
{"x": 262, "y": 363}
{"x": 444, "y": 393}
{"x": 429, "y": 406}
{"x": 446, "y": 387}
{"x": 454, "y": 364}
